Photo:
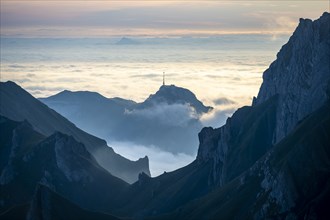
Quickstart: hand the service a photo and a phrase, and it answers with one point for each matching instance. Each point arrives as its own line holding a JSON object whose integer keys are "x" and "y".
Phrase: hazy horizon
{"x": 153, "y": 18}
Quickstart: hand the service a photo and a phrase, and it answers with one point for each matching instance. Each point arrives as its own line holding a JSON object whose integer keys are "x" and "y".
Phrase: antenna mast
{"x": 163, "y": 78}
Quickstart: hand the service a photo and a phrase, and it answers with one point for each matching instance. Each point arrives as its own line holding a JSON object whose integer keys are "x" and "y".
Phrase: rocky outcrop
{"x": 175, "y": 95}
{"x": 300, "y": 75}
{"x": 295, "y": 85}
{"x": 290, "y": 181}
{"x": 58, "y": 162}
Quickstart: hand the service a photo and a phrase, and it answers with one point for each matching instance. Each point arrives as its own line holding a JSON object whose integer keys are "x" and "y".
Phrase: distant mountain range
{"x": 19, "y": 105}
{"x": 270, "y": 160}
{"x": 127, "y": 41}
{"x": 168, "y": 119}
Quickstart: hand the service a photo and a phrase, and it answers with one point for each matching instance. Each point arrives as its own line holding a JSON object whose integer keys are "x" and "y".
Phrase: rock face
{"x": 19, "y": 105}
{"x": 257, "y": 170}
{"x": 291, "y": 181}
{"x": 300, "y": 75}
{"x": 295, "y": 85}
{"x": 58, "y": 162}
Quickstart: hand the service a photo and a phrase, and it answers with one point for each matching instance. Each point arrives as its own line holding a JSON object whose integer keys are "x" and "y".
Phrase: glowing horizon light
{"x": 153, "y": 18}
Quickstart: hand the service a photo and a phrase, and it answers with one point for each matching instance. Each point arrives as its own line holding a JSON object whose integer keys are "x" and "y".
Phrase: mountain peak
{"x": 300, "y": 74}
{"x": 127, "y": 41}
{"x": 172, "y": 94}
{"x": 295, "y": 85}
{"x": 73, "y": 96}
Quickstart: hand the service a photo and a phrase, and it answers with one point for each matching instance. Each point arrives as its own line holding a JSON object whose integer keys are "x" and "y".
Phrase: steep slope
{"x": 19, "y": 105}
{"x": 300, "y": 75}
{"x": 167, "y": 119}
{"x": 46, "y": 204}
{"x": 90, "y": 111}
{"x": 59, "y": 162}
{"x": 165, "y": 193}
{"x": 284, "y": 98}
{"x": 292, "y": 181}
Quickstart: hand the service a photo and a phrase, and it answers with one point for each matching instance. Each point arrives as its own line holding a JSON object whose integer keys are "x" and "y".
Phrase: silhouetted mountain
{"x": 252, "y": 131}
{"x": 127, "y": 41}
{"x": 167, "y": 119}
{"x": 46, "y": 204}
{"x": 89, "y": 110}
{"x": 19, "y": 105}
{"x": 59, "y": 162}
{"x": 175, "y": 95}
{"x": 300, "y": 75}
{"x": 290, "y": 181}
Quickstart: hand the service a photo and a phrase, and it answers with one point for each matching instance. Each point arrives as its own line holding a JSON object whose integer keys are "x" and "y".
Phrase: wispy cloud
{"x": 90, "y": 18}
{"x": 217, "y": 117}
{"x": 167, "y": 114}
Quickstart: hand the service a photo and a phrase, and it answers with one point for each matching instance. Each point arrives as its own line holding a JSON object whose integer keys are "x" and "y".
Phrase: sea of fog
{"x": 223, "y": 71}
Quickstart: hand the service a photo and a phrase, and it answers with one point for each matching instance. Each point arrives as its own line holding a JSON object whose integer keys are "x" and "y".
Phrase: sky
{"x": 91, "y": 18}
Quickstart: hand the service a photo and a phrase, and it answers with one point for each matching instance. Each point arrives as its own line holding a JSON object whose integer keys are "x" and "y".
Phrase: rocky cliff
{"x": 300, "y": 75}
{"x": 58, "y": 162}
{"x": 296, "y": 84}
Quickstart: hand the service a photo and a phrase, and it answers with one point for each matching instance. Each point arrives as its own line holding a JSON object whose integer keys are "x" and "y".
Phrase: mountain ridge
{"x": 143, "y": 123}
{"x": 19, "y": 105}
{"x": 302, "y": 79}
{"x": 59, "y": 162}
{"x": 286, "y": 107}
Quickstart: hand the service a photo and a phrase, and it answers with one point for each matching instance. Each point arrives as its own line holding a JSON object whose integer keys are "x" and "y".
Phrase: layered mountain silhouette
{"x": 168, "y": 119}
{"x": 19, "y": 105}
{"x": 270, "y": 160}
{"x": 58, "y": 162}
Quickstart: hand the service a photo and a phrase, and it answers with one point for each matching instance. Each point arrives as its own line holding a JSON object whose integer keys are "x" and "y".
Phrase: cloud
{"x": 16, "y": 66}
{"x": 151, "y": 75}
{"x": 159, "y": 160}
{"x": 152, "y": 17}
{"x": 42, "y": 88}
{"x": 172, "y": 115}
{"x": 217, "y": 117}
{"x": 23, "y": 80}
{"x": 223, "y": 101}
